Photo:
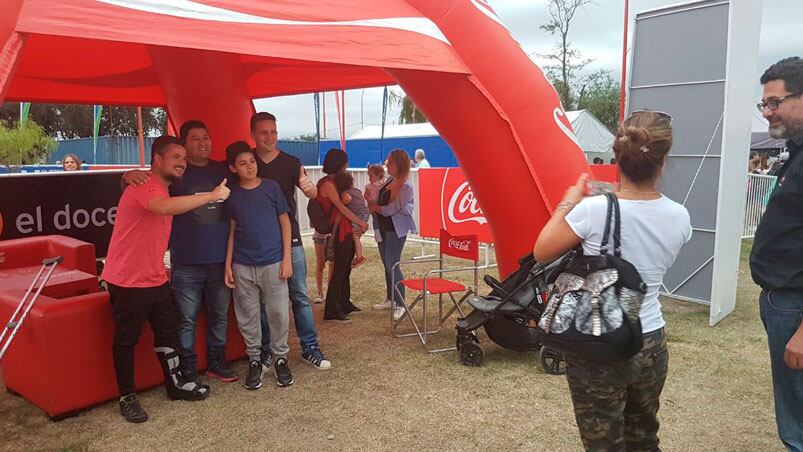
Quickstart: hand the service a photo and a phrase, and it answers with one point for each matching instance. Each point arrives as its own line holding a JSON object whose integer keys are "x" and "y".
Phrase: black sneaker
{"x": 222, "y": 372}
{"x": 254, "y": 378}
{"x": 131, "y": 409}
{"x": 267, "y": 362}
{"x": 283, "y": 375}
{"x": 314, "y": 356}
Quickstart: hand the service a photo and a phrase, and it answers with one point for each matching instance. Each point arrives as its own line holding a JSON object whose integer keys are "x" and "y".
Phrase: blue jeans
{"x": 194, "y": 285}
{"x": 390, "y": 249}
{"x": 299, "y": 303}
{"x": 781, "y": 312}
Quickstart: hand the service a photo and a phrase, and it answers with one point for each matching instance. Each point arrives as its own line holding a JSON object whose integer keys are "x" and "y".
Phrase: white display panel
{"x": 697, "y": 62}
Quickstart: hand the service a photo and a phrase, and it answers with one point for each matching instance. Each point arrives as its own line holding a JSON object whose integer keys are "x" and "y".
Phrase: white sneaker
{"x": 318, "y": 300}
{"x": 380, "y": 306}
{"x": 398, "y": 312}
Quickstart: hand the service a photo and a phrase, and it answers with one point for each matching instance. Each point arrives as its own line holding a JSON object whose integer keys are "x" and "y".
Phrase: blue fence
{"x": 363, "y": 152}
{"x": 306, "y": 151}
{"x": 110, "y": 151}
{"x": 125, "y": 150}
{"x": 14, "y": 169}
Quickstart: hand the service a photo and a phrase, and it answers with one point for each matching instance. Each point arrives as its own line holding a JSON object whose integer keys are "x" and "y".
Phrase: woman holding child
{"x": 338, "y": 304}
{"x": 394, "y": 215}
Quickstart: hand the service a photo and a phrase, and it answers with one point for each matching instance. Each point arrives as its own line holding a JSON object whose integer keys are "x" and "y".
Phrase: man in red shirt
{"x": 137, "y": 277}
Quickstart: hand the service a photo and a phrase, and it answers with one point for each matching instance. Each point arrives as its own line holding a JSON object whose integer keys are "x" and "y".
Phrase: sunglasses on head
{"x": 662, "y": 114}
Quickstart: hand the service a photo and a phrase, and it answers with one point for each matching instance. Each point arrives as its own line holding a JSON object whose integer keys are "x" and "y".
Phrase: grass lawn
{"x": 385, "y": 393}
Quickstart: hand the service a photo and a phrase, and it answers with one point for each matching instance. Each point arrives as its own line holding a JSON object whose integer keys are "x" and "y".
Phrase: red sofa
{"x": 61, "y": 359}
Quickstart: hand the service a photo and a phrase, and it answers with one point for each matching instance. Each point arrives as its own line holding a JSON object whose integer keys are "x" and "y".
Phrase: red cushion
{"x": 434, "y": 285}
{"x": 30, "y": 251}
{"x": 22, "y": 259}
{"x": 64, "y": 282}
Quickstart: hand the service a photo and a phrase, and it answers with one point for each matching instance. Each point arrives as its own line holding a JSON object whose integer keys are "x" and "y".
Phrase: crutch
{"x": 16, "y": 319}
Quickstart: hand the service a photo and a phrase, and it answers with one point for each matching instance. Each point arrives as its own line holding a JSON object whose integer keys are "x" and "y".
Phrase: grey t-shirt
{"x": 357, "y": 204}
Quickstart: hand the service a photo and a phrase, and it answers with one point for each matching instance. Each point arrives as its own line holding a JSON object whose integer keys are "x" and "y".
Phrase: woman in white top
{"x": 616, "y": 405}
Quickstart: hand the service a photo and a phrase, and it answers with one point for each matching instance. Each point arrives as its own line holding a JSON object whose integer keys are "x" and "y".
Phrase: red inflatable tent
{"x": 208, "y": 59}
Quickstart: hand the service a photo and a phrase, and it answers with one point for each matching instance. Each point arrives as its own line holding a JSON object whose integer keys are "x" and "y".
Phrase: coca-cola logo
{"x": 463, "y": 206}
{"x": 460, "y": 245}
{"x": 563, "y": 124}
{"x": 456, "y": 209}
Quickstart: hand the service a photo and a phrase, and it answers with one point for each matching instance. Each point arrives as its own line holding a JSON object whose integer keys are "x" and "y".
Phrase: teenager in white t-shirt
{"x": 616, "y": 405}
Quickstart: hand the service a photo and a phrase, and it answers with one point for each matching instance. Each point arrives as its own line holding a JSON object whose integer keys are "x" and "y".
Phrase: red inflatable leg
{"x": 518, "y": 153}
{"x": 13, "y": 44}
{"x": 488, "y": 155}
{"x": 208, "y": 86}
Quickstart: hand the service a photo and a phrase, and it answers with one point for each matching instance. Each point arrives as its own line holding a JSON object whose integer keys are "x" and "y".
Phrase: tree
{"x": 410, "y": 114}
{"x": 24, "y": 145}
{"x": 119, "y": 120}
{"x": 305, "y": 137}
{"x": 599, "y": 94}
{"x": 566, "y": 60}
{"x": 66, "y": 121}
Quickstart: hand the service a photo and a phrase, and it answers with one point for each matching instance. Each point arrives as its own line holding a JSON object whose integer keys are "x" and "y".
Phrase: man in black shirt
{"x": 776, "y": 261}
{"x": 289, "y": 173}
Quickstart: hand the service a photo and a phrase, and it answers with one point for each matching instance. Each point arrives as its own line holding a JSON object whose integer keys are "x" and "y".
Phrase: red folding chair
{"x": 463, "y": 247}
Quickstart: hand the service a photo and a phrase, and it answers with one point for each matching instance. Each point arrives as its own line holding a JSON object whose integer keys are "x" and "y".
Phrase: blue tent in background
{"x": 367, "y": 146}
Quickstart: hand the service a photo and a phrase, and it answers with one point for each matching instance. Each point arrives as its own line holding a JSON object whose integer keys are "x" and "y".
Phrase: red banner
{"x": 447, "y": 202}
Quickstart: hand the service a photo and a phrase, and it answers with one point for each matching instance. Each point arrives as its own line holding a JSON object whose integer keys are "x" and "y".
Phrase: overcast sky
{"x": 596, "y": 32}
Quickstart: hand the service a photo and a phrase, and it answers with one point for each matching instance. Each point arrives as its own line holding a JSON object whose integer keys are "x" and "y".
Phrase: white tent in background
{"x": 593, "y": 137}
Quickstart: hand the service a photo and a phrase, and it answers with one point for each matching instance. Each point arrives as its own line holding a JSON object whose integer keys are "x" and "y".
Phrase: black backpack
{"x": 593, "y": 308}
{"x": 318, "y": 217}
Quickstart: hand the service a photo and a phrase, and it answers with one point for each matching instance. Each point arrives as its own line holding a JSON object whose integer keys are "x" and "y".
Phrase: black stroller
{"x": 510, "y": 314}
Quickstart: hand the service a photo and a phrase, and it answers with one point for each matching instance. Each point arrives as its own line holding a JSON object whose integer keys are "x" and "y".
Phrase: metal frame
{"x": 743, "y": 32}
{"x": 758, "y": 190}
{"x": 422, "y": 333}
{"x": 15, "y": 323}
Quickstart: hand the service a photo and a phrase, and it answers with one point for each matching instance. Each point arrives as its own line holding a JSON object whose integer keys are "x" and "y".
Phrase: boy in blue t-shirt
{"x": 258, "y": 263}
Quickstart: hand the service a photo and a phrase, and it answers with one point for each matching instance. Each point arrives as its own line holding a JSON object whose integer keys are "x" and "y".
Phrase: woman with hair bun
{"x": 616, "y": 404}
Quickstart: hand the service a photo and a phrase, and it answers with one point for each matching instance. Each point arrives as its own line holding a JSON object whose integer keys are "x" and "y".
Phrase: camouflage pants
{"x": 616, "y": 405}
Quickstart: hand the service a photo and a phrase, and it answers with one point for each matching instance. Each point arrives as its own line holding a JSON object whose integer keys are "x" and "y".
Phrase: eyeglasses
{"x": 775, "y": 102}
{"x": 662, "y": 114}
